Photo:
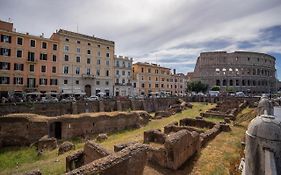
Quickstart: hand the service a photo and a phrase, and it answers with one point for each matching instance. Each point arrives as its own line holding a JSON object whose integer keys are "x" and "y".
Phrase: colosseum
{"x": 249, "y": 72}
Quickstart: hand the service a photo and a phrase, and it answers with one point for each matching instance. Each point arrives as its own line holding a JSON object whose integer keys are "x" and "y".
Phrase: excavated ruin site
{"x": 169, "y": 148}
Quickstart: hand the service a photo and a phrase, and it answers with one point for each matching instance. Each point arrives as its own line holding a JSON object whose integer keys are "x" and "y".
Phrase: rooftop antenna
{"x": 9, "y": 20}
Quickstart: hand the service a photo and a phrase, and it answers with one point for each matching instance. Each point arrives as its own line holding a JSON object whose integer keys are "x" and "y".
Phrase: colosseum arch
{"x": 244, "y": 68}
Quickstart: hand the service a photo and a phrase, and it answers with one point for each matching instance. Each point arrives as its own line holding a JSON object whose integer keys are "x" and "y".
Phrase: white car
{"x": 92, "y": 98}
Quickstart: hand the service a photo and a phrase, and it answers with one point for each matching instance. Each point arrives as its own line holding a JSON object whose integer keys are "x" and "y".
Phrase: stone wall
{"x": 129, "y": 161}
{"x": 24, "y": 129}
{"x": 56, "y": 109}
{"x": 177, "y": 149}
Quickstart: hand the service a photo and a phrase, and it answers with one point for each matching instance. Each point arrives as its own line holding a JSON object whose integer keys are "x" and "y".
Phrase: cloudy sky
{"x": 169, "y": 32}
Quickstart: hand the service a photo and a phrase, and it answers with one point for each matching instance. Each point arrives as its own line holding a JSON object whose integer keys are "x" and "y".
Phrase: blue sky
{"x": 169, "y": 32}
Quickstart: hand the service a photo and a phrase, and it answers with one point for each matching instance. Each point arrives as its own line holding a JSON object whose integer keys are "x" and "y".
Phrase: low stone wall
{"x": 93, "y": 152}
{"x": 24, "y": 129}
{"x": 56, "y": 109}
{"x": 129, "y": 161}
{"x": 196, "y": 123}
{"x": 177, "y": 149}
{"x": 155, "y": 136}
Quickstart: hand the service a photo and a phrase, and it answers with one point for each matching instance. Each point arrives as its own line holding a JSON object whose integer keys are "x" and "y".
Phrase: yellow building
{"x": 86, "y": 64}
{"x": 151, "y": 79}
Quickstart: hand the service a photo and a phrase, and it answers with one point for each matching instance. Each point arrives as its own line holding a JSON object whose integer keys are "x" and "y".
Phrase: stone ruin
{"x": 25, "y": 129}
{"x": 173, "y": 150}
{"x": 228, "y": 108}
{"x": 170, "y": 149}
{"x": 96, "y": 160}
{"x": 173, "y": 109}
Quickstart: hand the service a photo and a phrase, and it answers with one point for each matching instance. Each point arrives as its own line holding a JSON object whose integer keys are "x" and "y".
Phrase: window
{"x": 54, "y": 58}
{"x": 107, "y": 62}
{"x": 98, "y": 61}
{"x": 149, "y": 70}
{"x": 4, "y": 66}
{"x": 77, "y": 82}
{"x": 18, "y": 80}
{"x": 88, "y": 71}
{"x": 117, "y": 72}
{"x": 18, "y": 66}
{"x": 43, "y": 56}
{"x": 30, "y": 56}
{"x": 117, "y": 81}
{"x": 106, "y": 83}
{"x": 78, "y": 59}
{"x": 142, "y": 85}
{"x": 19, "y": 53}
{"x": 88, "y": 60}
{"x": 44, "y": 45}
{"x": 117, "y": 63}
{"x": 77, "y": 70}
{"x": 54, "y": 69}
{"x": 99, "y": 54}
{"x": 142, "y": 69}
{"x": 66, "y": 39}
{"x": 98, "y": 82}
{"x": 4, "y": 80}
{"x": 31, "y": 68}
{"x": 98, "y": 72}
{"x": 107, "y": 48}
{"x": 78, "y": 42}
{"x": 65, "y": 69}
{"x": 66, "y": 48}
{"x": 123, "y": 72}
{"x": 89, "y": 44}
{"x": 43, "y": 68}
{"x": 78, "y": 50}
{"x": 66, "y": 58}
{"x": 129, "y": 66}
{"x": 19, "y": 41}
{"x": 65, "y": 81}
{"x": 98, "y": 45}
{"x": 53, "y": 82}
{"x": 156, "y": 85}
{"x": 6, "y": 39}
{"x": 55, "y": 47}
{"x": 43, "y": 81}
{"x": 32, "y": 43}
{"x": 5, "y": 52}
{"x": 107, "y": 73}
{"x": 89, "y": 51}
{"x": 107, "y": 55}
{"x": 123, "y": 81}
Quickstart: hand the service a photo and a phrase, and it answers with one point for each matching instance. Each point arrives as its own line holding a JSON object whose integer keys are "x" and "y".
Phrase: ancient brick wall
{"x": 129, "y": 161}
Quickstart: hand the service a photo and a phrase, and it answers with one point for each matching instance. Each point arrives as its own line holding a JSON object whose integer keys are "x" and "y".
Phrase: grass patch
{"x": 221, "y": 154}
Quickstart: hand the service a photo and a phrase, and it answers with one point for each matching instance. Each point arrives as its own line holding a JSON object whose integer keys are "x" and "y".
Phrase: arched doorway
{"x": 88, "y": 90}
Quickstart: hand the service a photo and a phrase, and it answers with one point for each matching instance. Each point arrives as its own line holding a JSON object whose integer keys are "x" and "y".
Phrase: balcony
{"x": 88, "y": 76}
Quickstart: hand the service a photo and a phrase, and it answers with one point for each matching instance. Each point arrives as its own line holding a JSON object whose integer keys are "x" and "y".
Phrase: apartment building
{"x": 151, "y": 79}
{"x": 123, "y": 76}
{"x": 28, "y": 63}
{"x": 86, "y": 64}
{"x": 178, "y": 84}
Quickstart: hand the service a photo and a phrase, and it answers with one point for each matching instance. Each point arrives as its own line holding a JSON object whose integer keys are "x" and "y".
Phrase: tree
{"x": 215, "y": 88}
{"x": 197, "y": 86}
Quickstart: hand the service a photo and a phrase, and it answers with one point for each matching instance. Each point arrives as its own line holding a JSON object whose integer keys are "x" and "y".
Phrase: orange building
{"x": 27, "y": 63}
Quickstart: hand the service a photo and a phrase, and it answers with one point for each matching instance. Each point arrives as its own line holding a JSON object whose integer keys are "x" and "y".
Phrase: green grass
{"x": 51, "y": 163}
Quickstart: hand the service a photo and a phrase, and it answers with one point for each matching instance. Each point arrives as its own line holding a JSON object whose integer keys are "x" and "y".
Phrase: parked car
{"x": 92, "y": 98}
{"x": 68, "y": 99}
{"x": 240, "y": 94}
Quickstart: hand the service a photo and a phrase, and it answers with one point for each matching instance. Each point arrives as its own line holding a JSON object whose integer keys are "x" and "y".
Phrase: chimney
{"x": 174, "y": 71}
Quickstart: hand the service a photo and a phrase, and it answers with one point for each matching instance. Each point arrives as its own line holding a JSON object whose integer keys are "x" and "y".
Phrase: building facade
{"x": 242, "y": 71}
{"x": 123, "y": 76}
{"x": 86, "y": 64}
{"x": 28, "y": 63}
{"x": 155, "y": 80}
